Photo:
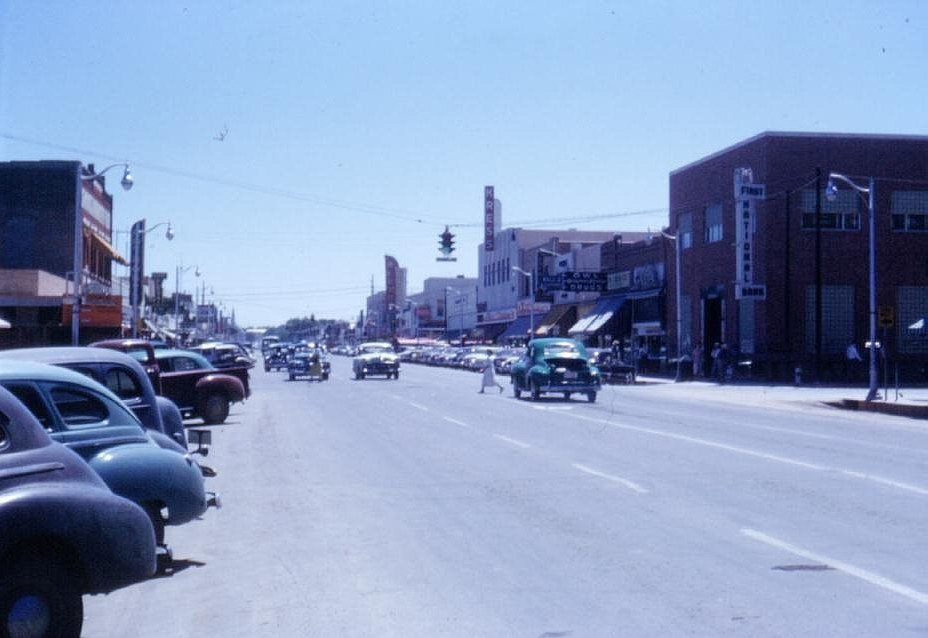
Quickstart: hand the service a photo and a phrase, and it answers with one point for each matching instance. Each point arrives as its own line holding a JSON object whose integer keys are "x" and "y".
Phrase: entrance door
{"x": 712, "y": 322}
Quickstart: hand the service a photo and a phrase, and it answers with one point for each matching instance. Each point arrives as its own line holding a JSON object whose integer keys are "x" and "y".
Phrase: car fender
{"x": 106, "y": 539}
{"x": 172, "y": 420}
{"x": 231, "y": 386}
{"x": 147, "y": 473}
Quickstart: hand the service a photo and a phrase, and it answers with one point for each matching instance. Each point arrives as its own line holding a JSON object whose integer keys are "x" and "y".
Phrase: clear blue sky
{"x": 358, "y": 129}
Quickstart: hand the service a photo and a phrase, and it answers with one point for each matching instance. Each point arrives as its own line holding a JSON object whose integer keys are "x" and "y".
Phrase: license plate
{"x": 570, "y": 374}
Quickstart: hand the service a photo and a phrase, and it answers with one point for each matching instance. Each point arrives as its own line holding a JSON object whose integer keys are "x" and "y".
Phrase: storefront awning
{"x": 598, "y": 316}
{"x": 518, "y": 329}
{"x": 551, "y": 319}
{"x": 106, "y": 245}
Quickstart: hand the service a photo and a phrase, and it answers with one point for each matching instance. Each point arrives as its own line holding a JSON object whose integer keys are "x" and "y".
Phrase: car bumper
{"x": 570, "y": 387}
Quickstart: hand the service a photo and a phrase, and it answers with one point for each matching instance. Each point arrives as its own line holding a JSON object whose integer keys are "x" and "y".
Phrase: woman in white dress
{"x": 489, "y": 375}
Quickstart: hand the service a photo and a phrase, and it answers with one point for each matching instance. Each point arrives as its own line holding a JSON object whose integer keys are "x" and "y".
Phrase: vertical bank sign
{"x": 489, "y": 232}
{"x": 392, "y": 267}
{"x": 137, "y": 265}
{"x": 746, "y": 195}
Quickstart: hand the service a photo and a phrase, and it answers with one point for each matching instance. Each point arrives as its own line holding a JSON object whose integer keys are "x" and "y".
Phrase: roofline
{"x": 800, "y": 134}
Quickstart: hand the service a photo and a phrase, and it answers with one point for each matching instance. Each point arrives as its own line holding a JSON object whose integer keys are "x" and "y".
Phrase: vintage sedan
{"x": 89, "y": 419}
{"x": 142, "y": 351}
{"x": 555, "y": 365}
{"x": 376, "y": 358}
{"x": 199, "y": 389}
{"x": 312, "y": 364}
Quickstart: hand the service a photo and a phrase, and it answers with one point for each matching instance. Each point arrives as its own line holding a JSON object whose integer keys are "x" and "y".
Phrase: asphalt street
{"x": 418, "y": 507}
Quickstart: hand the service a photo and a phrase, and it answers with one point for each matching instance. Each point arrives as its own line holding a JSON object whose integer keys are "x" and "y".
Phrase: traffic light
{"x": 446, "y": 245}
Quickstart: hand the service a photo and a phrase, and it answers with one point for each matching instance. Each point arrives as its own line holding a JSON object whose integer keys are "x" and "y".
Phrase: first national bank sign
{"x": 746, "y": 195}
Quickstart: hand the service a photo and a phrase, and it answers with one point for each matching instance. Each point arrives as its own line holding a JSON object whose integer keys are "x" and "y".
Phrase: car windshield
{"x": 369, "y": 349}
{"x": 559, "y": 349}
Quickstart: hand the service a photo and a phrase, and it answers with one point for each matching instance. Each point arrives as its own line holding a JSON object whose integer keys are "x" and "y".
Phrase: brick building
{"x": 781, "y": 272}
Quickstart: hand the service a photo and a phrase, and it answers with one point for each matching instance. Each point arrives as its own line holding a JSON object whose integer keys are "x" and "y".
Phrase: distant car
{"x": 612, "y": 368}
{"x": 83, "y": 415}
{"x": 555, "y": 365}
{"x": 309, "y": 363}
{"x": 199, "y": 389}
{"x": 376, "y": 358}
{"x": 63, "y": 533}
{"x": 123, "y": 375}
{"x": 275, "y": 358}
{"x": 225, "y": 355}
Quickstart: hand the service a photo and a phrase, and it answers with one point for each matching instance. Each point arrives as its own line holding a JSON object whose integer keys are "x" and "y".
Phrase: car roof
{"x": 35, "y": 371}
{"x": 71, "y": 354}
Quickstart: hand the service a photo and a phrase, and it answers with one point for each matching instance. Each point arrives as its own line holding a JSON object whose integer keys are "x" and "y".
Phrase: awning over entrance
{"x": 490, "y": 331}
{"x": 598, "y": 317}
{"x": 518, "y": 329}
{"x": 552, "y": 319}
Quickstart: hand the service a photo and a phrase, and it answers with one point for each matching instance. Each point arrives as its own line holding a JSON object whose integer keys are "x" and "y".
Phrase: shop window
{"x": 910, "y": 211}
{"x": 911, "y": 305}
{"x": 713, "y": 223}
{"x": 841, "y": 214}
{"x": 685, "y": 230}
{"x": 837, "y": 318}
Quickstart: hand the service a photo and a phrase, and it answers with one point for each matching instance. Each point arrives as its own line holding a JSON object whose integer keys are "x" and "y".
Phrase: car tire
{"x": 567, "y": 396}
{"x": 536, "y": 393}
{"x": 358, "y": 375}
{"x": 293, "y": 377}
{"x": 396, "y": 374}
{"x": 157, "y": 521}
{"x": 325, "y": 377}
{"x": 267, "y": 368}
{"x": 516, "y": 392}
{"x": 214, "y": 409}
{"x": 591, "y": 397}
{"x": 41, "y": 592}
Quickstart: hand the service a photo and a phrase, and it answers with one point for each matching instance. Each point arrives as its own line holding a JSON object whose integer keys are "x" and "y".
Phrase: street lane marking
{"x": 851, "y": 570}
{"x": 515, "y": 442}
{"x": 609, "y": 477}
{"x": 756, "y": 454}
{"x": 455, "y": 421}
{"x": 419, "y": 406}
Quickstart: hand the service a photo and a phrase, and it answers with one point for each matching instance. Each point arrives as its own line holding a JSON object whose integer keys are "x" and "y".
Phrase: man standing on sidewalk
{"x": 716, "y": 371}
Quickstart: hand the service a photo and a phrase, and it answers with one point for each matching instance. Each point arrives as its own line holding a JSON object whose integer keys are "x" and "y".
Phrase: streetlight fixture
{"x": 531, "y": 294}
{"x": 127, "y": 183}
{"x": 831, "y": 193}
{"x": 180, "y": 270}
{"x": 136, "y": 274}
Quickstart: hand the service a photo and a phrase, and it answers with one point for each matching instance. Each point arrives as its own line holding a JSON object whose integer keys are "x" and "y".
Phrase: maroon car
{"x": 199, "y": 389}
{"x": 140, "y": 350}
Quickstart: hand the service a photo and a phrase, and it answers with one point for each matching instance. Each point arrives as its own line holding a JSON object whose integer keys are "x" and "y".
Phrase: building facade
{"x": 779, "y": 271}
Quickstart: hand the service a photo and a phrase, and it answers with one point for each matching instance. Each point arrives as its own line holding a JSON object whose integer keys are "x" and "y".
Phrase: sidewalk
{"x": 911, "y": 402}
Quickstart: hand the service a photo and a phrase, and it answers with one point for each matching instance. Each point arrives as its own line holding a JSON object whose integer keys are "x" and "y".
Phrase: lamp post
{"x": 678, "y": 285}
{"x": 126, "y": 183}
{"x": 180, "y": 270}
{"x": 531, "y": 297}
{"x": 831, "y": 193}
{"x": 137, "y": 266}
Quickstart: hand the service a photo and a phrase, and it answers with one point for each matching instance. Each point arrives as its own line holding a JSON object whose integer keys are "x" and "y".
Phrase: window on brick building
{"x": 911, "y": 305}
{"x": 841, "y": 214}
{"x": 910, "y": 211}
{"x": 713, "y": 223}
{"x": 837, "y": 318}
{"x": 685, "y": 230}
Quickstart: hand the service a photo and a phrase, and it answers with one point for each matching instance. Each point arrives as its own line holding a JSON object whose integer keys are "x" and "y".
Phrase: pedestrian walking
{"x": 852, "y": 358}
{"x": 716, "y": 371}
{"x": 697, "y": 360}
{"x": 489, "y": 375}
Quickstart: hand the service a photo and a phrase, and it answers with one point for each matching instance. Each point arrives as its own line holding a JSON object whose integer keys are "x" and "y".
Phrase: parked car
{"x": 199, "y": 389}
{"x": 63, "y": 533}
{"x": 142, "y": 351}
{"x": 225, "y": 355}
{"x": 309, "y": 363}
{"x": 555, "y": 365}
{"x": 376, "y": 358}
{"x": 124, "y": 376}
{"x": 83, "y": 415}
{"x": 611, "y": 368}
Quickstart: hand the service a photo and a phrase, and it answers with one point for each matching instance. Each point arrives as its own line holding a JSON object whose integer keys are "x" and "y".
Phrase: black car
{"x": 309, "y": 363}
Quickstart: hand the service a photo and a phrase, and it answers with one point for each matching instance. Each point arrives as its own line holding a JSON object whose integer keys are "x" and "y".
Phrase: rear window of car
{"x": 30, "y": 397}
{"x": 557, "y": 349}
{"x": 122, "y": 384}
{"x": 80, "y": 408}
{"x": 139, "y": 354}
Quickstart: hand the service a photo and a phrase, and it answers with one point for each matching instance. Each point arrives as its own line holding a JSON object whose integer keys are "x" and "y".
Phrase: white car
{"x": 376, "y": 358}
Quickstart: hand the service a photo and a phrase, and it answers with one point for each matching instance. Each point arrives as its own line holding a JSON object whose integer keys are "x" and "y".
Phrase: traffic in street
{"x": 414, "y": 505}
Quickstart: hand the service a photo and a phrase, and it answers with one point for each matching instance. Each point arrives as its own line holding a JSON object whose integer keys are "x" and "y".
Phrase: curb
{"x": 897, "y": 409}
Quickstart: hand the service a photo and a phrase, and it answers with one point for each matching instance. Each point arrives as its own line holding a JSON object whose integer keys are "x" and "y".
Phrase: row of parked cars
{"x": 94, "y": 464}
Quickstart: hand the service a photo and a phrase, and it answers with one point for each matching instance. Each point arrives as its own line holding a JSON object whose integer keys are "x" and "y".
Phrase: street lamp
{"x": 831, "y": 193}
{"x": 531, "y": 295}
{"x": 136, "y": 268}
{"x": 126, "y": 182}
{"x": 180, "y": 270}
{"x": 679, "y": 288}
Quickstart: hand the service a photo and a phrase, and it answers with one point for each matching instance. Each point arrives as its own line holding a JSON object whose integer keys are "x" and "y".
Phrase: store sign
{"x": 136, "y": 262}
{"x": 746, "y": 195}
{"x": 751, "y": 291}
{"x": 496, "y": 316}
{"x": 575, "y": 281}
{"x": 525, "y": 308}
{"x": 489, "y": 229}
{"x": 618, "y": 280}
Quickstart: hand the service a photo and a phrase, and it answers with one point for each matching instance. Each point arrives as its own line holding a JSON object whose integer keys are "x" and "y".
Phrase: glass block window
{"x": 910, "y": 211}
{"x": 911, "y": 305}
{"x": 685, "y": 230}
{"x": 713, "y": 223}
{"x": 837, "y": 318}
{"x": 841, "y": 214}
